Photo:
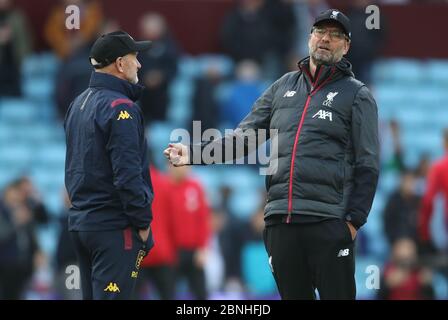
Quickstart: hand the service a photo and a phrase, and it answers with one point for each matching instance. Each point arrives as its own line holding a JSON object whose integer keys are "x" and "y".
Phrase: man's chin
{"x": 322, "y": 60}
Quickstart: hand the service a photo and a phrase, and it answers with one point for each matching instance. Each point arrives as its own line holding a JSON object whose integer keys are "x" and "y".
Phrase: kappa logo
{"x": 124, "y": 115}
{"x": 289, "y": 94}
{"x": 343, "y": 252}
{"x": 330, "y": 97}
{"x": 112, "y": 287}
{"x": 324, "y": 114}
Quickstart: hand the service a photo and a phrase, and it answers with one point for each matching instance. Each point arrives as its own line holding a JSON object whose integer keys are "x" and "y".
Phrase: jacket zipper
{"x": 294, "y": 150}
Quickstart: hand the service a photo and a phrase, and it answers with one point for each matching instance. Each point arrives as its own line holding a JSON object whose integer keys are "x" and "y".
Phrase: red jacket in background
{"x": 437, "y": 182}
{"x": 191, "y": 214}
{"x": 164, "y": 250}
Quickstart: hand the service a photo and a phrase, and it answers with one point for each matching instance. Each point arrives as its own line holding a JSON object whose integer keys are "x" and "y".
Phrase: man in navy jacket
{"x": 107, "y": 171}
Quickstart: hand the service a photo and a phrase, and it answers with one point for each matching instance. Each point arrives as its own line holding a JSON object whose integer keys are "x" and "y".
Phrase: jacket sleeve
{"x": 366, "y": 160}
{"x": 243, "y": 140}
{"x": 426, "y": 210}
{"x": 125, "y": 144}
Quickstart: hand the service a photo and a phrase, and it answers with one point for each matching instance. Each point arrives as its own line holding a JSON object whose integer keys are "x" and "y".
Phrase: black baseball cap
{"x": 335, "y": 15}
{"x": 110, "y": 46}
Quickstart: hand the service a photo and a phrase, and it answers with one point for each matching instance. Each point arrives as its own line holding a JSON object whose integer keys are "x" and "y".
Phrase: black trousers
{"x": 163, "y": 277}
{"x": 109, "y": 262}
{"x": 195, "y": 275}
{"x": 305, "y": 257}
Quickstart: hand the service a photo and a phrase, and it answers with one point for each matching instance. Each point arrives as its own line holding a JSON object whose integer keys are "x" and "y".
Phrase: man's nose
{"x": 326, "y": 37}
{"x": 138, "y": 64}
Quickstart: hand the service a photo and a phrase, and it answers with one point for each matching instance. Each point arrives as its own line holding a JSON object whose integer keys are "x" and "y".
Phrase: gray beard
{"x": 319, "y": 62}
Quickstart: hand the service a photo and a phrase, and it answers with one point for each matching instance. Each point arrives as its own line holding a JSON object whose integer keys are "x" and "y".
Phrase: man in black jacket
{"x": 327, "y": 165}
{"x": 107, "y": 171}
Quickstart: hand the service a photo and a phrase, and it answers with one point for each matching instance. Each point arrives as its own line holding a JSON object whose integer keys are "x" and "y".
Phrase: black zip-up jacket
{"x": 328, "y": 150}
{"x": 107, "y": 162}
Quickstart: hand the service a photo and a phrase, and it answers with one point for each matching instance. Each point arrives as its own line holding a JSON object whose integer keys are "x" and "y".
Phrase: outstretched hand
{"x": 177, "y": 154}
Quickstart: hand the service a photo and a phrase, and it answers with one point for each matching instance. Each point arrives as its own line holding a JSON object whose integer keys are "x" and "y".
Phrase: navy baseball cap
{"x": 110, "y": 46}
{"x": 335, "y": 15}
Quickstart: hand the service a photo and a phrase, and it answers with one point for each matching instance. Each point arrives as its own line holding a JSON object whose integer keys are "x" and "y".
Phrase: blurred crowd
{"x": 202, "y": 247}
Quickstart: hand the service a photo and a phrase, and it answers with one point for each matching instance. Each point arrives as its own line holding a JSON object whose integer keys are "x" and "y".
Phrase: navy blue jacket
{"x": 107, "y": 162}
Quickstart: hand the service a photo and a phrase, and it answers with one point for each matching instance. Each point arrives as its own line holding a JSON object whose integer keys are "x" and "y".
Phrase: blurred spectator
{"x": 421, "y": 174}
{"x": 231, "y": 239}
{"x": 205, "y": 103}
{"x": 437, "y": 183}
{"x": 159, "y": 66}
{"x": 305, "y": 12}
{"x": 191, "y": 216}
{"x": 215, "y": 266}
{"x": 282, "y": 18}
{"x": 248, "y": 33}
{"x": 159, "y": 266}
{"x": 400, "y": 215}
{"x": 15, "y": 45}
{"x": 391, "y": 149}
{"x": 403, "y": 278}
{"x": 367, "y": 44}
{"x": 74, "y": 72}
{"x": 32, "y": 200}
{"x": 65, "y": 42}
{"x": 243, "y": 92}
{"x": 65, "y": 255}
{"x": 18, "y": 245}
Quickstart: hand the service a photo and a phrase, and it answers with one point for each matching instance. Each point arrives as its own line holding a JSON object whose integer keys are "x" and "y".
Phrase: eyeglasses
{"x": 334, "y": 34}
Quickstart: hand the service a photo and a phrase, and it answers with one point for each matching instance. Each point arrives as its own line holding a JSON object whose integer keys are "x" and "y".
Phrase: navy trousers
{"x": 109, "y": 262}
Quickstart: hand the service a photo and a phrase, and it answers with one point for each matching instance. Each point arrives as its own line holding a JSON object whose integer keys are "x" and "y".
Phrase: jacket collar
{"x": 325, "y": 72}
{"x": 104, "y": 80}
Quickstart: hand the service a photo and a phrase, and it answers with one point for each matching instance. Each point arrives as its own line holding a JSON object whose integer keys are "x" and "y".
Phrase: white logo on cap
{"x": 334, "y": 14}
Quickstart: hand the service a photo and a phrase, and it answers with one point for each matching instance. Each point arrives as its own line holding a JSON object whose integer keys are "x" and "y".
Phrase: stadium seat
{"x": 437, "y": 72}
{"x": 50, "y": 156}
{"x": 18, "y": 111}
{"x": 40, "y": 88}
{"x": 399, "y": 71}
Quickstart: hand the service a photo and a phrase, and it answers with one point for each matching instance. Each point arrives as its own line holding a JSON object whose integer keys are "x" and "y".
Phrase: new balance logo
{"x": 289, "y": 94}
{"x": 112, "y": 287}
{"x": 330, "y": 97}
{"x": 324, "y": 115}
{"x": 124, "y": 115}
{"x": 343, "y": 252}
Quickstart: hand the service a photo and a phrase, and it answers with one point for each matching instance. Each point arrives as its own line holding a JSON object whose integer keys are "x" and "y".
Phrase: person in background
{"x": 158, "y": 268}
{"x": 191, "y": 217}
{"x": 15, "y": 45}
{"x": 400, "y": 215}
{"x": 437, "y": 183}
{"x": 18, "y": 244}
{"x": 403, "y": 277}
{"x": 159, "y": 66}
{"x": 65, "y": 42}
